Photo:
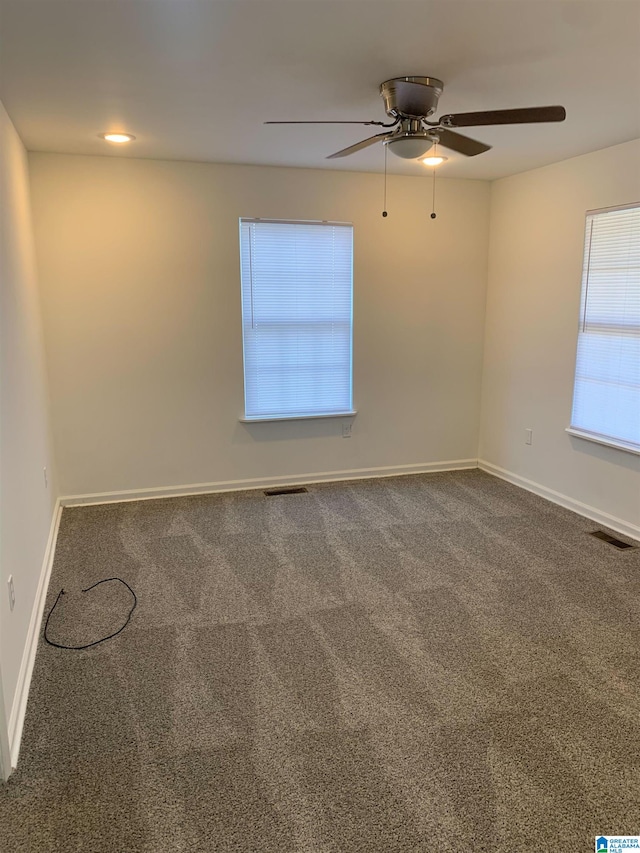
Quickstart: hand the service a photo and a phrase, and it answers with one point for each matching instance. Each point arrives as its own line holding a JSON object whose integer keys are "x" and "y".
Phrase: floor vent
{"x": 286, "y": 491}
{"x": 600, "y": 534}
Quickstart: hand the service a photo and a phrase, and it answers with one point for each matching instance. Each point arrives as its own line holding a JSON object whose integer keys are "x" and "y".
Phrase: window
{"x": 606, "y": 400}
{"x": 297, "y": 319}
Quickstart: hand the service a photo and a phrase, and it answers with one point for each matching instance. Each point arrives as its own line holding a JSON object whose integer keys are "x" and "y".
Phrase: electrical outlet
{"x": 46, "y": 478}
{"x": 346, "y": 429}
{"x": 529, "y": 436}
{"x": 12, "y": 592}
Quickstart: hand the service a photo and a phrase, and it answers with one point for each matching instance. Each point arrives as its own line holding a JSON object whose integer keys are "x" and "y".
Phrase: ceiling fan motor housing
{"x": 411, "y": 101}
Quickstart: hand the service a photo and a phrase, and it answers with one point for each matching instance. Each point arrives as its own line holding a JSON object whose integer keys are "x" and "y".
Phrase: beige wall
{"x": 535, "y": 269}
{"x": 26, "y": 506}
{"x": 141, "y": 294}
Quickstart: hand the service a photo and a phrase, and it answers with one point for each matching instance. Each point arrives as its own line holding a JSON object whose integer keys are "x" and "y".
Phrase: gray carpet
{"x": 437, "y": 662}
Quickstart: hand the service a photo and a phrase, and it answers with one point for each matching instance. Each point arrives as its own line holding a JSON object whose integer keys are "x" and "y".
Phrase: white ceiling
{"x": 195, "y": 79}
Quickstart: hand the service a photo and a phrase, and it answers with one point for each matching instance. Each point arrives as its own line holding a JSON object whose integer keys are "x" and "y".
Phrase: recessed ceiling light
{"x": 117, "y": 137}
{"x": 434, "y": 161}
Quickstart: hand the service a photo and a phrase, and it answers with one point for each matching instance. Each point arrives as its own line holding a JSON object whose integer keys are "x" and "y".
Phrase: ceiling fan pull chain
{"x": 384, "y": 205}
{"x": 433, "y": 197}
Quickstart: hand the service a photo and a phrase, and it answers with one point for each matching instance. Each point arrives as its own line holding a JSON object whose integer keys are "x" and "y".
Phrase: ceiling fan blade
{"x": 365, "y": 143}
{"x": 379, "y": 123}
{"x": 462, "y": 144}
{"x": 527, "y": 115}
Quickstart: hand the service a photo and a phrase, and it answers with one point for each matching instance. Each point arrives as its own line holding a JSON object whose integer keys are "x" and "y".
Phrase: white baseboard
{"x": 267, "y": 482}
{"x": 19, "y": 708}
{"x": 597, "y": 515}
{"x": 5, "y": 751}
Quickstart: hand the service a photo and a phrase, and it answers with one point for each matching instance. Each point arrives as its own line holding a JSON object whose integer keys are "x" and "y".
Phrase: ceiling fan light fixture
{"x": 118, "y": 138}
{"x": 434, "y": 160}
{"x": 409, "y": 147}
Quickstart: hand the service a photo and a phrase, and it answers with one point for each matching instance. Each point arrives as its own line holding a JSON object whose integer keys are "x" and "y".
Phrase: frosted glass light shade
{"x": 410, "y": 147}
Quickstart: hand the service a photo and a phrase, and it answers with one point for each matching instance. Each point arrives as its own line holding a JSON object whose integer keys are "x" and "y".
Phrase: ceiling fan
{"x": 409, "y": 101}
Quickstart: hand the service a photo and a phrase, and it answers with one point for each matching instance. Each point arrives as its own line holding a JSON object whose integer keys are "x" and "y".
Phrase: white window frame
{"x": 573, "y": 429}
{"x": 349, "y": 411}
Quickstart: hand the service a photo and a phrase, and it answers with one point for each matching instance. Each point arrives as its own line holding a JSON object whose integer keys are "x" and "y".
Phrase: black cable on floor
{"x": 96, "y": 642}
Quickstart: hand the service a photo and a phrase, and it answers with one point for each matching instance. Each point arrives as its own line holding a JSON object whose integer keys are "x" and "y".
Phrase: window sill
{"x": 267, "y": 419}
{"x": 602, "y": 439}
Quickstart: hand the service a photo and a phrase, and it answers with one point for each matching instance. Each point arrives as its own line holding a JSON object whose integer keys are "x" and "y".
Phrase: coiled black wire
{"x": 96, "y": 642}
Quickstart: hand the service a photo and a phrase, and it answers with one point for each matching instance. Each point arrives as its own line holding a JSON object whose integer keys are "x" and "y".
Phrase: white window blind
{"x": 606, "y": 401}
{"x": 297, "y": 318}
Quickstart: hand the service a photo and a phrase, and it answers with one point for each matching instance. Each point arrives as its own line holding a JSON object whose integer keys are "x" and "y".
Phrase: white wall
{"x": 535, "y": 270}
{"x": 141, "y": 295}
{"x": 26, "y": 506}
